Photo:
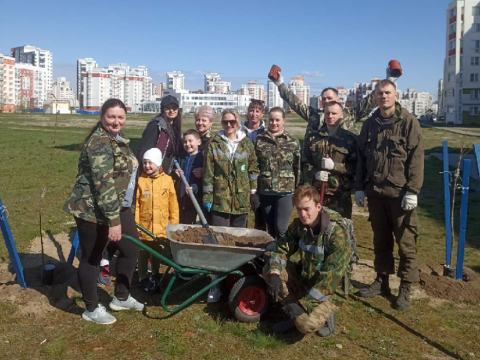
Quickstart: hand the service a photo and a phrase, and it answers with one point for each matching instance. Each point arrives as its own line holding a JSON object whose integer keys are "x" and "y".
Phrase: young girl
{"x": 157, "y": 206}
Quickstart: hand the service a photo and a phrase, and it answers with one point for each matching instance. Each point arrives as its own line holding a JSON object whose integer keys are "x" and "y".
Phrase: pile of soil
{"x": 194, "y": 235}
{"x": 443, "y": 287}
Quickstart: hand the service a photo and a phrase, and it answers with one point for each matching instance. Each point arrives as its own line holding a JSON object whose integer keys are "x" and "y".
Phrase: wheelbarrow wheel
{"x": 248, "y": 300}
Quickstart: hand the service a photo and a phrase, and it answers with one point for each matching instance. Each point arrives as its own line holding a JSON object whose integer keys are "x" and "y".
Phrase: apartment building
{"x": 7, "y": 84}
{"x": 461, "y": 78}
{"x": 83, "y": 66}
{"x": 30, "y": 86}
{"x": 254, "y": 90}
{"x": 213, "y": 84}
{"x": 41, "y": 58}
{"x": 61, "y": 90}
{"x": 298, "y": 87}
{"x": 175, "y": 80}
{"x": 364, "y": 89}
{"x": 273, "y": 96}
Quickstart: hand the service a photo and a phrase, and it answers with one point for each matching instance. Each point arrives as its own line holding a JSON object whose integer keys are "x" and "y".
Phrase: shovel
{"x": 207, "y": 239}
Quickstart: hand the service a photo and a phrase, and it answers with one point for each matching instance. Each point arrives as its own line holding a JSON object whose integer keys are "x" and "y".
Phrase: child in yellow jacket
{"x": 157, "y": 206}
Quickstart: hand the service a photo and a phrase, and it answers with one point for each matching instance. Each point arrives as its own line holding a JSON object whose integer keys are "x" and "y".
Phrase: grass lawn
{"x": 38, "y": 157}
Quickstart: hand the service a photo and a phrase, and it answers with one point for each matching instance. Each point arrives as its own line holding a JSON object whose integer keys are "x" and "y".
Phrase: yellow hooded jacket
{"x": 157, "y": 204}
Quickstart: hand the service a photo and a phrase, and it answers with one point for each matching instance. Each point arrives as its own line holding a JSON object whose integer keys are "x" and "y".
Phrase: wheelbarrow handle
{"x": 192, "y": 196}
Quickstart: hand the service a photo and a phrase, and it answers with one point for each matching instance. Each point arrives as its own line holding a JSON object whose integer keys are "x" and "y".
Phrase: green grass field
{"x": 39, "y": 155}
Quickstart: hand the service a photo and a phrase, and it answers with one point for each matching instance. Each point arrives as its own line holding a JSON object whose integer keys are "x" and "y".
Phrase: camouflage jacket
{"x": 314, "y": 117}
{"x": 279, "y": 162}
{"x": 323, "y": 259}
{"x": 205, "y": 139}
{"x": 104, "y": 171}
{"x": 227, "y": 179}
{"x": 342, "y": 149}
{"x": 391, "y": 155}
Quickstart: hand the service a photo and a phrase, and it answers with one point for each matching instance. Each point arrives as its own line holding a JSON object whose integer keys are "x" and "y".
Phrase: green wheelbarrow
{"x": 241, "y": 267}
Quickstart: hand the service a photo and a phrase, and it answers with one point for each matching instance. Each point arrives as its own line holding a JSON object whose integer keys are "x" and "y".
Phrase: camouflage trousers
{"x": 390, "y": 224}
{"x": 340, "y": 204}
{"x": 293, "y": 290}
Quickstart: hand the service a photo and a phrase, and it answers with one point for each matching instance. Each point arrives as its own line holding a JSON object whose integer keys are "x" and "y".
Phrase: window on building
{"x": 476, "y": 10}
{"x": 476, "y": 27}
{"x": 450, "y": 92}
{"x": 453, "y": 12}
{"x": 476, "y": 45}
{"x": 473, "y": 110}
{"x": 475, "y": 60}
{"x": 475, "y": 94}
{"x": 451, "y": 28}
{"x": 474, "y": 77}
{"x": 450, "y": 76}
{"x": 450, "y": 109}
{"x": 451, "y": 60}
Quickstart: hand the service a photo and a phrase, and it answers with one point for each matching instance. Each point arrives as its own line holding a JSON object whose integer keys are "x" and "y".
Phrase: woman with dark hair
{"x": 164, "y": 133}
{"x": 100, "y": 203}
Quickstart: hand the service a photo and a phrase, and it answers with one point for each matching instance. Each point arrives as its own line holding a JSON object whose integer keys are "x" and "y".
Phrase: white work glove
{"x": 327, "y": 164}
{"x": 321, "y": 176}
{"x": 360, "y": 198}
{"x": 409, "y": 201}
{"x": 279, "y": 81}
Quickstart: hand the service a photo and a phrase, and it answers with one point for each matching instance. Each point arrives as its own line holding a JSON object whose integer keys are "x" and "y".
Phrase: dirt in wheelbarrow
{"x": 194, "y": 235}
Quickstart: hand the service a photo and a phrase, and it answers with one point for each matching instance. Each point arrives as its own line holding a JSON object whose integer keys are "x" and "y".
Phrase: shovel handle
{"x": 192, "y": 197}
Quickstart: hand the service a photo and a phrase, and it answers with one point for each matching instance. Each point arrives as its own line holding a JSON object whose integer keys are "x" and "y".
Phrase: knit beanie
{"x": 154, "y": 155}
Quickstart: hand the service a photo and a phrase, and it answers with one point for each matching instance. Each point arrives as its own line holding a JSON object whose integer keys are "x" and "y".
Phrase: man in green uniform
{"x": 330, "y": 156}
{"x": 390, "y": 171}
{"x": 308, "y": 290}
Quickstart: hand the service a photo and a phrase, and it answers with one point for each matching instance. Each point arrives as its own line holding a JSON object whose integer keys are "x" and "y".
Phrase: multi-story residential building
{"x": 461, "y": 75}
{"x": 175, "y": 80}
{"x": 418, "y": 103}
{"x": 159, "y": 88}
{"x": 301, "y": 91}
{"x": 214, "y": 85}
{"x": 131, "y": 85}
{"x": 364, "y": 89}
{"x": 316, "y": 102}
{"x": 83, "y": 66}
{"x": 30, "y": 86}
{"x": 273, "y": 96}
{"x": 61, "y": 90}
{"x": 7, "y": 84}
{"x": 254, "y": 90}
{"x": 35, "y": 56}
{"x": 441, "y": 94}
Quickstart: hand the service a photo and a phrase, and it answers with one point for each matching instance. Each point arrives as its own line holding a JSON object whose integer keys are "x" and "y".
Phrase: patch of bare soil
{"x": 444, "y": 287}
{"x": 38, "y": 299}
{"x": 194, "y": 235}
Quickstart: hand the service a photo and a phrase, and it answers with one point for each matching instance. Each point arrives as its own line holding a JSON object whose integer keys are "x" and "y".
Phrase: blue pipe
{"x": 448, "y": 221}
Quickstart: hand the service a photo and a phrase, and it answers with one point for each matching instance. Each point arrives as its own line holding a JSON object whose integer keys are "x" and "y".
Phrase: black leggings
{"x": 93, "y": 240}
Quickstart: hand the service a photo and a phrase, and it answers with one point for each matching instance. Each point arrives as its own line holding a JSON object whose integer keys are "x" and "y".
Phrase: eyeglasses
{"x": 231, "y": 122}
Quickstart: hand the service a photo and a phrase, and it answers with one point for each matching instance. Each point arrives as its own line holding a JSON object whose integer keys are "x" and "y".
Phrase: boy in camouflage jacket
{"x": 308, "y": 290}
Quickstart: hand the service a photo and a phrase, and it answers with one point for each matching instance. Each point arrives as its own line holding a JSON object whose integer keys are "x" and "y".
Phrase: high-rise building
{"x": 441, "y": 94}
{"x": 131, "y": 85}
{"x": 461, "y": 76}
{"x": 61, "y": 90}
{"x": 254, "y": 90}
{"x": 83, "y": 66}
{"x": 30, "y": 86}
{"x": 214, "y": 85}
{"x": 7, "y": 84}
{"x": 175, "y": 80}
{"x": 298, "y": 87}
{"x": 35, "y": 56}
{"x": 364, "y": 89}
{"x": 273, "y": 99}
{"x": 159, "y": 88}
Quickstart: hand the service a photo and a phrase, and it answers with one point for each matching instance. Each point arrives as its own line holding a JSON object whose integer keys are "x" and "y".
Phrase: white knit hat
{"x": 154, "y": 155}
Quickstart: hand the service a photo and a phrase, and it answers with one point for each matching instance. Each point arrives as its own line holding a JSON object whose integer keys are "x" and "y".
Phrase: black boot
{"x": 329, "y": 327}
{"x": 403, "y": 299}
{"x": 380, "y": 286}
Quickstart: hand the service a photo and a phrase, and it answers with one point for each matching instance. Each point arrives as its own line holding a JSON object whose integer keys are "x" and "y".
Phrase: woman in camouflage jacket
{"x": 278, "y": 155}
{"x": 100, "y": 203}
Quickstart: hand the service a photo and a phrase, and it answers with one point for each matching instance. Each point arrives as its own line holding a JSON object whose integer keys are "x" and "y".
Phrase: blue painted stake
{"x": 73, "y": 250}
{"x": 12, "y": 249}
{"x": 448, "y": 221}
{"x": 476, "y": 148}
{"x": 463, "y": 218}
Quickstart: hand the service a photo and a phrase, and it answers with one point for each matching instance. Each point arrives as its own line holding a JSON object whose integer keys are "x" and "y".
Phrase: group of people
{"x": 258, "y": 167}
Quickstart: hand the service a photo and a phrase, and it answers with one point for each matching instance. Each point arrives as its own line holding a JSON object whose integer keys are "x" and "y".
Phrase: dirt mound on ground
{"x": 443, "y": 287}
{"x": 38, "y": 299}
{"x": 194, "y": 235}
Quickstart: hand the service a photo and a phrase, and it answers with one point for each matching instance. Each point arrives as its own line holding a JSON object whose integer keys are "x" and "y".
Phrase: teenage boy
{"x": 190, "y": 160}
{"x": 307, "y": 289}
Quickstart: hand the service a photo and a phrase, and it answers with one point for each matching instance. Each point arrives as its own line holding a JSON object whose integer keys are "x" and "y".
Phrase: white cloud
{"x": 313, "y": 74}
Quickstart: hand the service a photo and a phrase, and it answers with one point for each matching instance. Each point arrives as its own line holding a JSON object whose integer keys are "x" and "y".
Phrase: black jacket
{"x": 150, "y": 137}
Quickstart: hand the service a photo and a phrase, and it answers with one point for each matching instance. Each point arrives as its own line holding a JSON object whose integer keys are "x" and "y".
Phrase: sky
{"x": 332, "y": 43}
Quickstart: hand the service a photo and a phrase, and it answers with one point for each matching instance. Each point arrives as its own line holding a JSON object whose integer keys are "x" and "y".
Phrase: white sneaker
{"x": 99, "y": 315}
{"x": 214, "y": 294}
{"x": 129, "y": 304}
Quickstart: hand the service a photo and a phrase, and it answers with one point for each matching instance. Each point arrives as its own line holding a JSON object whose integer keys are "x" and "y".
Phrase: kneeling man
{"x": 307, "y": 289}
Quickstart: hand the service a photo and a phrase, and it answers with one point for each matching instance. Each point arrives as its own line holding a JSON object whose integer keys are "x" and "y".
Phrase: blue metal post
{"x": 463, "y": 218}
{"x": 12, "y": 249}
{"x": 73, "y": 250}
{"x": 448, "y": 220}
{"x": 476, "y": 148}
